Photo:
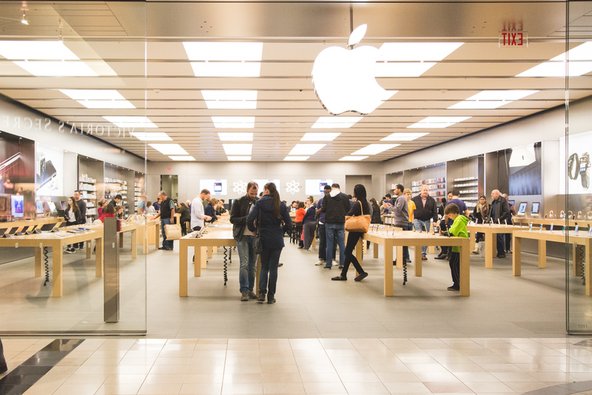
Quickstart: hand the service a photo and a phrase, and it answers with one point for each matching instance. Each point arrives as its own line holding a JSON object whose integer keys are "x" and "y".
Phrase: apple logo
{"x": 344, "y": 78}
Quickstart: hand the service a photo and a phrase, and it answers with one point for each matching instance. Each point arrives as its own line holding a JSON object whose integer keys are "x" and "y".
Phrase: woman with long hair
{"x": 269, "y": 217}
{"x": 73, "y": 217}
{"x": 481, "y": 214}
{"x": 360, "y": 207}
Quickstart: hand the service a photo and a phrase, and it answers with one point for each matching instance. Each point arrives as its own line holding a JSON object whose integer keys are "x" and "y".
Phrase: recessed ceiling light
{"x": 221, "y": 99}
{"x": 237, "y": 149}
{"x": 239, "y": 157}
{"x": 36, "y": 50}
{"x": 335, "y": 122}
{"x": 398, "y": 136}
{"x": 581, "y": 52}
{"x": 353, "y": 158}
{"x": 296, "y": 158}
{"x": 319, "y": 136}
{"x": 492, "y": 99}
{"x": 374, "y": 149}
{"x": 437, "y": 122}
{"x": 131, "y": 121}
{"x": 98, "y": 98}
{"x": 224, "y": 51}
{"x": 580, "y": 63}
{"x": 182, "y": 158}
{"x": 305, "y": 149}
{"x": 234, "y": 122}
{"x": 151, "y": 136}
{"x": 226, "y": 69}
{"x": 235, "y": 136}
{"x": 416, "y": 51}
{"x": 56, "y": 68}
{"x": 169, "y": 149}
{"x": 402, "y": 69}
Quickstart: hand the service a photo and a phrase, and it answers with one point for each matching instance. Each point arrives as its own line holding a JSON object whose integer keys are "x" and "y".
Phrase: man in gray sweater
{"x": 401, "y": 216}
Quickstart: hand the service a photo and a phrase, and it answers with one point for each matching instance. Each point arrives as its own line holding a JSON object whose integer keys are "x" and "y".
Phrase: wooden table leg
{"x": 473, "y": 238}
{"x": 38, "y": 260}
{"x": 399, "y": 257}
{"x": 203, "y": 257}
{"x": 99, "y": 257}
{"x": 542, "y": 250}
{"x": 388, "y": 269}
{"x": 375, "y": 254}
{"x": 418, "y": 262}
{"x": 57, "y": 271}
{"x": 183, "y": 269}
{"x": 199, "y": 259}
{"x": 516, "y": 258}
{"x": 490, "y": 240}
{"x": 134, "y": 245}
{"x": 88, "y": 245}
{"x": 465, "y": 268}
{"x": 121, "y": 240}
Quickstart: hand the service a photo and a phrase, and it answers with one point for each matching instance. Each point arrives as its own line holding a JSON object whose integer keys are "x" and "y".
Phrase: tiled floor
{"x": 315, "y": 366}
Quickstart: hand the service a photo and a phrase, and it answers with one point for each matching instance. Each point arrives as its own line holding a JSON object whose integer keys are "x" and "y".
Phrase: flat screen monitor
{"x": 17, "y": 205}
{"x": 536, "y": 207}
{"x": 511, "y": 202}
{"x": 522, "y": 208}
{"x": 39, "y": 207}
{"x": 52, "y": 207}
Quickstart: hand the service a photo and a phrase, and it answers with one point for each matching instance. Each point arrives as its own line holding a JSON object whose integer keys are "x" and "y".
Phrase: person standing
{"x": 167, "y": 217}
{"x": 481, "y": 216}
{"x": 198, "y": 215}
{"x": 401, "y": 216}
{"x": 321, "y": 228}
{"x": 245, "y": 241}
{"x": 335, "y": 206}
{"x": 82, "y": 220}
{"x": 185, "y": 219}
{"x": 500, "y": 213}
{"x": 73, "y": 216}
{"x": 457, "y": 229}
{"x": 3, "y": 365}
{"x": 271, "y": 217}
{"x": 425, "y": 211}
{"x": 361, "y": 207}
{"x": 309, "y": 223}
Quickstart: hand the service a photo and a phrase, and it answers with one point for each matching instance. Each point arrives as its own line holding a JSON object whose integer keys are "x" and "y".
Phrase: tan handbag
{"x": 358, "y": 223}
{"x": 172, "y": 231}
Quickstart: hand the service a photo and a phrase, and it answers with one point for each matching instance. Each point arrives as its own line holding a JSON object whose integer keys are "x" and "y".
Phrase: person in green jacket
{"x": 458, "y": 229}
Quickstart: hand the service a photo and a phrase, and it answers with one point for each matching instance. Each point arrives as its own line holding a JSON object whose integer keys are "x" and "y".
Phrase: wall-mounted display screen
{"x": 522, "y": 208}
{"x": 525, "y": 170}
{"x": 216, "y": 187}
{"x": 315, "y": 187}
{"x": 262, "y": 181}
{"x": 536, "y": 207}
{"x": 49, "y": 171}
{"x": 577, "y": 165}
{"x": 17, "y": 203}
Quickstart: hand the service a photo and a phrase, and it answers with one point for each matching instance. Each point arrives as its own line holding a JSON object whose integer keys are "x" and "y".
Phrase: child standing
{"x": 458, "y": 229}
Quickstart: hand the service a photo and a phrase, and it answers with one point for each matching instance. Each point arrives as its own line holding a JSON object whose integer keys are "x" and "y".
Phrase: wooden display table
{"x": 31, "y": 222}
{"x": 580, "y": 238}
{"x": 389, "y": 239}
{"x": 57, "y": 242}
{"x": 552, "y": 221}
{"x": 490, "y": 231}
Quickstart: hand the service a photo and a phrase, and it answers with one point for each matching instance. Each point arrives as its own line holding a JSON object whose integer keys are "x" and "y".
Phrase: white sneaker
{"x": 320, "y": 263}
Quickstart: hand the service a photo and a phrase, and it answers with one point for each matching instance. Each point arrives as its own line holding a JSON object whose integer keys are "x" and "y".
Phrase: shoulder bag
{"x": 358, "y": 223}
{"x": 172, "y": 231}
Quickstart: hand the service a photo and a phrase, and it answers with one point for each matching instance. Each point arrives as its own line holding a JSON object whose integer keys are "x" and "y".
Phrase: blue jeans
{"x": 248, "y": 258}
{"x": 335, "y": 234}
{"x": 422, "y": 226}
{"x": 165, "y": 243}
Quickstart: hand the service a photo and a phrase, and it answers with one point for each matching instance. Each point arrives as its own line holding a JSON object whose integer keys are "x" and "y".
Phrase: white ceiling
{"x": 161, "y": 85}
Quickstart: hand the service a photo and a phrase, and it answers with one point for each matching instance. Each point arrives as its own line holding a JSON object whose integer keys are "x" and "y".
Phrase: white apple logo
{"x": 344, "y": 79}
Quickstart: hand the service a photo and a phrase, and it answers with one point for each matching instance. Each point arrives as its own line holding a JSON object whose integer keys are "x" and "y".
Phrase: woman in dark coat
{"x": 269, "y": 217}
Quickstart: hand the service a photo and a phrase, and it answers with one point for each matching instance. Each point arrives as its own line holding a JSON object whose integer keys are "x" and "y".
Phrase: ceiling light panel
{"x": 239, "y": 158}
{"x": 437, "y": 122}
{"x": 403, "y": 69}
{"x": 234, "y": 122}
{"x": 54, "y": 68}
{"x": 557, "y": 69}
{"x": 131, "y": 121}
{"x": 305, "y": 149}
{"x": 151, "y": 136}
{"x": 235, "y": 136}
{"x": 319, "y": 136}
{"x": 237, "y": 99}
{"x": 374, "y": 149}
{"x": 182, "y": 158}
{"x": 224, "y": 51}
{"x": 581, "y": 52}
{"x": 226, "y": 69}
{"x": 169, "y": 149}
{"x": 237, "y": 149}
{"x": 411, "y": 51}
{"x": 335, "y": 122}
{"x": 490, "y": 99}
{"x": 353, "y": 158}
{"x": 98, "y": 98}
{"x": 36, "y": 50}
{"x": 296, "y": 158}
{"x": 398, "y": 136}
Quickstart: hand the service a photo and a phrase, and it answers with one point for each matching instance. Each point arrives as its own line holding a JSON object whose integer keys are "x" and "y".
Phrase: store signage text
{"x": 513, "y": 38}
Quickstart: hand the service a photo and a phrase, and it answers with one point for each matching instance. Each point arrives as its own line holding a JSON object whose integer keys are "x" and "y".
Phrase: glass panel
{"x": 60, "y": 84}
{"x": 577, "y": 152}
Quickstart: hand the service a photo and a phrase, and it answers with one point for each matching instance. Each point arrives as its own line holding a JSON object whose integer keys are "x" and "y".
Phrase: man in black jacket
{"x": 335, "y": 206}
{"x": 82, "y": 207}
{"x": 245, "y": 241}
{"x": 425, "y": 212}
{"x": 500, "y": 213}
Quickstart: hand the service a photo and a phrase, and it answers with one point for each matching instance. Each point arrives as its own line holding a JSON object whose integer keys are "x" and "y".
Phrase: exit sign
{"x": 513, "y": 38}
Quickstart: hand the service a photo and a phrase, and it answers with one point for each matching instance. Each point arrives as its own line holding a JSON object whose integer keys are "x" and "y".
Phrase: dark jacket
{"x": 238, "y": 216}
{"x": 335, "y": 208}
{"x": 478, "y": 215}
{"x": 271, "y": 229}
{"x": 309, "y": 216}
{"x": 82, "y": 208}
{"x": 430, "y": 211}
{"x": 78, "y": 219}
{"x": 500, "y": 211}
{"x": 209, "y": 210}
{"x": 356, "y": 209}
{"x": 376, "y": 219}
{"x": 185, "y": 213}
